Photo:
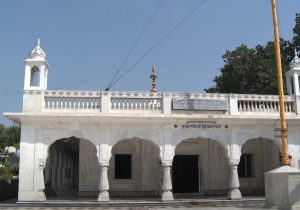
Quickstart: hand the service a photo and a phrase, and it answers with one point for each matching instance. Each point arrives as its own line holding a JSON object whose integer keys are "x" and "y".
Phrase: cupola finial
{"x": 153, "y": 76}
{"x": 38, "y": 42}
{"x": 37, "y": 52}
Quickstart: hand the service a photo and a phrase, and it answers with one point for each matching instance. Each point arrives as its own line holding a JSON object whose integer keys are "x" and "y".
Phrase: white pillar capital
{"x": 166, "y": 163}
{"x": 103, "y": 163}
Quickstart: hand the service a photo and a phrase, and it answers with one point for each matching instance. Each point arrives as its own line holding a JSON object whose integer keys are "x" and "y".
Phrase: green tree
{"x": 253, "y": 70}
{"x": 9, "y": 136}
{"x": 296, "y": 30}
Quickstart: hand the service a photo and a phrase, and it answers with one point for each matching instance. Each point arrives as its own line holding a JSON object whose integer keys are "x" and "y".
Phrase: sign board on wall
{"x": 199, "y": 104}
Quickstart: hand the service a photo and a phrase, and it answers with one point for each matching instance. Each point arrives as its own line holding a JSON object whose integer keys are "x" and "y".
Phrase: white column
{"x": 166, "y": 194}
{"x": 233, "y": 104}
{"x": 41, "y": 183}
{"x": 103, "y": 183}
{"x": 105, "y": 102}
{"x": 234, "y": 182}
{"x": 167, "y": 103}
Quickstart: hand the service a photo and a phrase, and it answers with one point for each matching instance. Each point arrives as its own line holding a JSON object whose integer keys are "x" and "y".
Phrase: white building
{"x": 148, "y": 144}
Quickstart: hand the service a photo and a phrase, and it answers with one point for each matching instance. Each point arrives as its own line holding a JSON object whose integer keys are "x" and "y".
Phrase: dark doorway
{"x": 185, "y": 174}
{"x": 61, "y": 174}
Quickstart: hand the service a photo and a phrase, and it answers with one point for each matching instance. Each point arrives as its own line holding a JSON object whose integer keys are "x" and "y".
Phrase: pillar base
{"x": 167, "y": 196}
{"x": 234, "y": 194}
{"x": 41, "y": 196}
{"x": 103, "y": 196}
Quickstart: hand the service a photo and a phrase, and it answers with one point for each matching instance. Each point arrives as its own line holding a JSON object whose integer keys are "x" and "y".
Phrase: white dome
{"x": 295, "y": 63}
{"x": 37, "y": 52}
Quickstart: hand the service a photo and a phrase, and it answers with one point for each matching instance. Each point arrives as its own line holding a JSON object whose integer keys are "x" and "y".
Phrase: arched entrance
{"x": 200, "y": 166}
{"x": 71, "y": 169}
{"x": 258, "y": 156}
{"x": 134, "y": 168}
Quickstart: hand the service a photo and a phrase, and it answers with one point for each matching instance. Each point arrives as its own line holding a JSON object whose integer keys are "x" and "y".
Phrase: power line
{"x": 159, "y": 41}
{"x": 11, "y": 91}
{"x": 135, "y": 44}
{"x": 84, "y": 81}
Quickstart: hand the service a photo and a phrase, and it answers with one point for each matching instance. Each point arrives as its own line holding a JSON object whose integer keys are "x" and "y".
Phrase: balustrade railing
{"x": 136, "y": 101}
{"x": 71, "y": 100}
{"x": 163, "y": 102}
{"x": 256, "y": 103}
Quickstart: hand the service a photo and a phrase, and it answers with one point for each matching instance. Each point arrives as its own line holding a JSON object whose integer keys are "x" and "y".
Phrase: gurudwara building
{"x": 119, "y": 144}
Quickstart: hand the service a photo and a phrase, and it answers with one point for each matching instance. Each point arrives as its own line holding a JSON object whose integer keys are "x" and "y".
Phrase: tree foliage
{"x": 9, "y": 136}
{"x": 253, "y": 70}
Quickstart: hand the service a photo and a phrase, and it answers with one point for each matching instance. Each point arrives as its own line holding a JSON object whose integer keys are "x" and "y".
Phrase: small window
{"x": 122, "y": 166}
{"x": 245, "y": 168}
{"x": 34, "y": 77}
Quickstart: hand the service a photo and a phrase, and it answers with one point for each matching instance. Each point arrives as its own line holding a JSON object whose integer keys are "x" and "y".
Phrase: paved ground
{"x": 203, "y": 204}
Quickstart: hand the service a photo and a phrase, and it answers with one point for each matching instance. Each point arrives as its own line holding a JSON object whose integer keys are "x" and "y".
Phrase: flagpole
{"x": 284, "y": 139}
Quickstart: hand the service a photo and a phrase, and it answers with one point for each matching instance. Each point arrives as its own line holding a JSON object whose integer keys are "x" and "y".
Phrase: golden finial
{"x": 153, "y": 76}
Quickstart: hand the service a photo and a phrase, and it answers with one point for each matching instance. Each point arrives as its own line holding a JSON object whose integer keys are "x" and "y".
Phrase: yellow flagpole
{"x": 284, "y": 139}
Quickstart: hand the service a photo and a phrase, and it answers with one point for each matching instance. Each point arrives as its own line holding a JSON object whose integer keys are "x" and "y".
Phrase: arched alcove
{"x": 200, "y": 166}
{"x": 259, "y": 155}
{"x": 134, "y": 168}
{"x": 34, "y": 76}
{"x": 71, "y": 169}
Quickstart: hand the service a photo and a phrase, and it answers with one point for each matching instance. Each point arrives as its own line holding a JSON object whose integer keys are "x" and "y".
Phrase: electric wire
{"x": 160, "y": 41}
{"x": 136, "y": 43}
{"x": 84, "y": 81}
{"x": 7, "y": 91}
{"x": 137, "y": 61}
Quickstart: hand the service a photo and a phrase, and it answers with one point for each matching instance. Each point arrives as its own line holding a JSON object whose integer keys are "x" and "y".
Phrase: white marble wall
{"x": 213, "y": 166}
{"x": 88, "y": 168}
{"x": 146, "y": 170}
{"x": 101, "y": 135}
{"x": 266, "y": 157}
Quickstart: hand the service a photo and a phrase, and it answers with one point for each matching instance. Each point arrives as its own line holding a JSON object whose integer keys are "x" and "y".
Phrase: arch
{"x": 266, "y": 137}
{"x": 210, "y": 166}
{"x": 34, "y": 76}
{"x": 259, "y": 155}
{"x": 72, "y": 168}
{"x": 199, "y": 138}
{"x": 140, "y": 173}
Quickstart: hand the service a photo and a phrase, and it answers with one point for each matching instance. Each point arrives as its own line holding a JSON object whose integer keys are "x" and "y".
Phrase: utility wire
{"x": 84, "y": 81}
{"x": 135, "y": 44}
{"x": 11, "y": 91}
{"x": 112, "y": 83}
{"x": 160, "y": 41}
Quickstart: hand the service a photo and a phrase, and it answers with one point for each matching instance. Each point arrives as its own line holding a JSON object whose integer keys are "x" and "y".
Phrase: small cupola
{"x": 292, "y": 76}
{"x": 37, "y": 52}
{"x": 36, "y": 69}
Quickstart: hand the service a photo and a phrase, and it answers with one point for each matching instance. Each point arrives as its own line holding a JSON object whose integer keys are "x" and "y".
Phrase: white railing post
{"x": 105, "y": 102}
{"x": 233, "y": 104}
{"x": 33, "y": 101}
{"x": 167, "y": 103}
{"x": 297, "y": 105}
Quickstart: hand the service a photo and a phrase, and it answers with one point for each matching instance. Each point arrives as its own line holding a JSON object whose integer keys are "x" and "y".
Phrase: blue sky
{"x": 91, "y": 38}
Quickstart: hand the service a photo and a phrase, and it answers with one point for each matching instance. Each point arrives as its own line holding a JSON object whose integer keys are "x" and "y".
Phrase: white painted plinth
{"x": 167, "y": 196}
{"x": 282, "y": 187}
{"x": 103, "y": 196}
{"x": 234, "y": 194}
